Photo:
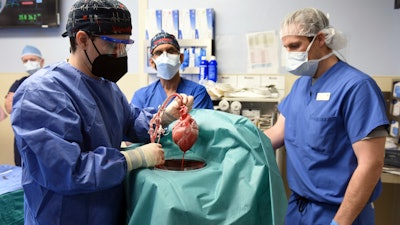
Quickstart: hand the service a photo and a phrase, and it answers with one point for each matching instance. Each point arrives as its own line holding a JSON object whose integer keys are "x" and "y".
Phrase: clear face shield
{"x": 112, "y": 61}
{"x": 113, "y": 46}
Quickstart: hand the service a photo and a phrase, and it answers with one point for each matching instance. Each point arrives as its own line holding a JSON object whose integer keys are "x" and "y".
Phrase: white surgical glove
{"x": 148, "y": 155}
{"x": 172, "y": 111}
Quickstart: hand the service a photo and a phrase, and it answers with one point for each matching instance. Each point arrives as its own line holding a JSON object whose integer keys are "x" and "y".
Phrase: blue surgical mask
{"x": 167, "y": 65}
{"x": 297, "y": 63}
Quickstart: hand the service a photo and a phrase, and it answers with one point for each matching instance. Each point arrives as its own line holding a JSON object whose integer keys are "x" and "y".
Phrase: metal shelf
{"x": 390, "y": 178}
{"x": 252, "y": 99}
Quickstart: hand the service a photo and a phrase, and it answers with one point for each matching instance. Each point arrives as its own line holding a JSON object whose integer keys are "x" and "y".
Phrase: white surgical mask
{"x": 167, "y": 65}
{"x": 32, "y": 66}
{"x": 297, "y": 63}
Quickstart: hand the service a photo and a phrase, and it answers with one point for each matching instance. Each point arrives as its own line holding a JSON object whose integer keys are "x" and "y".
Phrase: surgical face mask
{"x": 32, "y": 66}
{"x": 297, "y": 63}
{"x": 109, "y": 67}
{"x": 167, "y": 65}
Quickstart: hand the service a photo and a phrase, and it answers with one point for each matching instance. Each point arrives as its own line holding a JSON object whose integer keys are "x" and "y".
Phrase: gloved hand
{"x": 148, "y": 155}
{"x": 172, "y": 111}
{"x": 334, "y": 223}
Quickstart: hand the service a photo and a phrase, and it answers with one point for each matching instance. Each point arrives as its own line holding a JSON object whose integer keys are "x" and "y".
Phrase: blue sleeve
{"x": 285, "y": 105}
{"x": 138, "y": 98}
{"x": 138, "y": 130}
{"x": 152, "y": 95}
{"x": 202, "y": 99}
{"x": 364, "y": 110}
{"x": 50, "y": 138}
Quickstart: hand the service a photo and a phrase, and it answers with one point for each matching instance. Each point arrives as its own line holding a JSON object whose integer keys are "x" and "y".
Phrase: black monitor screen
{"x": 29, "y": 13}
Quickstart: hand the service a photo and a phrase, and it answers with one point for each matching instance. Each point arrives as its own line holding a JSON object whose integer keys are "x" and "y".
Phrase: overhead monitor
{"x": 29, "y": 13}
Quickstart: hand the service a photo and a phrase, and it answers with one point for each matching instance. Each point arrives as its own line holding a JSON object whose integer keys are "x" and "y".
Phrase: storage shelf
{"x": 252, "y": 99}
{"x": 390, "y": 178}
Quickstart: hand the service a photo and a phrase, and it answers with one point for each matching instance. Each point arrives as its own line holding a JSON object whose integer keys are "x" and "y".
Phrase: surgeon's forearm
{"x": 276, "y": 132}
{"x": 275, "y": 138}
{"x": 362, "y": 183}
{"x": 357, "y": 194}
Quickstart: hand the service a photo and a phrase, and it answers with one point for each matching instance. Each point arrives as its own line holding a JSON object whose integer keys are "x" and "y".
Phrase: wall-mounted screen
{"x": 29, "y": 13}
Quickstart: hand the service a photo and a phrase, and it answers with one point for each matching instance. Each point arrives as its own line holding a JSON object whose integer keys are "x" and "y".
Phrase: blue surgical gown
{"x": 322, "y": 121}
{"x": 154, "y": 95}
{"x": 69, "y": 128}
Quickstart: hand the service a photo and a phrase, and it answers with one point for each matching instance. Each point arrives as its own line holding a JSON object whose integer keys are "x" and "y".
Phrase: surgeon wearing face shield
{"x": 70, "y": 118}
{"x": 333, "y": 124}
{"x": 166, "y": 59}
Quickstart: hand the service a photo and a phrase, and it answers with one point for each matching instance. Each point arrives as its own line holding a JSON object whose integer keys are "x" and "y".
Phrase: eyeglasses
{"x": 171, "y": 50}
{"x": 115, "y": 46}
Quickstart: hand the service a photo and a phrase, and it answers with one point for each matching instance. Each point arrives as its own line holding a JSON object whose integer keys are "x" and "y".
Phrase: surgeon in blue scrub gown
{"x": 166, "y": 59}
{"x": 333, "y": 124}
{"x": 69, "y": 120}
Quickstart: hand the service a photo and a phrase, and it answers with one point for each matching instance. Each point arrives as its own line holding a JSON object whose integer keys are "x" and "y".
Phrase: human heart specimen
{"x": 184, "y": 132}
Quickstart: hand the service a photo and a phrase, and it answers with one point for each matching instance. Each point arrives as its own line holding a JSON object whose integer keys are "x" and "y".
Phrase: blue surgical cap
{"x": 31, "y": 50}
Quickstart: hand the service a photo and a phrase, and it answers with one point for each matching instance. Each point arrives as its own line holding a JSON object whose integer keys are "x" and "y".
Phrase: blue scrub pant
{"x": 301, "y": 211}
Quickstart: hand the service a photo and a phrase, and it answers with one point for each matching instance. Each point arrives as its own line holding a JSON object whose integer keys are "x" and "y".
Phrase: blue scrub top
{"x": 154, "y": 95}
{"x": 322, "y": 120}
{"x": 69, "y": 128}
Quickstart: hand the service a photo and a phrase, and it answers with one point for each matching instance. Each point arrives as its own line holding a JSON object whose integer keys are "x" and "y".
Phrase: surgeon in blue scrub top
{"x": 69, "y": 120}
{"x": 333, "y": 124}
{"x": 166, "y": 59}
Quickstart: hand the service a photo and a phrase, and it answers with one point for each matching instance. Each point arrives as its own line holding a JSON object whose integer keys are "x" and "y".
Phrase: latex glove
{"x": 148, "y": 155}
{"x": 334, "y": 223}
{"x": 172, "y": 111}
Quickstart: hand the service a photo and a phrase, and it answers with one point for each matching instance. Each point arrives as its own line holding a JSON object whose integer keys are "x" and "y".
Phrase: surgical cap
{"x": 163, "y": 38}
{"x": 308, "y": 22}
{"x": 98, "y": 17}
{"x": 31, "y": 50}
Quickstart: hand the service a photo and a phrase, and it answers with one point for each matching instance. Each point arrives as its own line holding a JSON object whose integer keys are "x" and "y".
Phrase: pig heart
{"x": 185, "y": 132}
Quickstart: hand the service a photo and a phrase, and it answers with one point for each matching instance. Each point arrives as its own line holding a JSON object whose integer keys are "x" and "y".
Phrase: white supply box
{"x": 205, "y": 23}
{"x": 187, "y": 24}
{"x": 170, "y": 21}
{"x": 153, "y": 22}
